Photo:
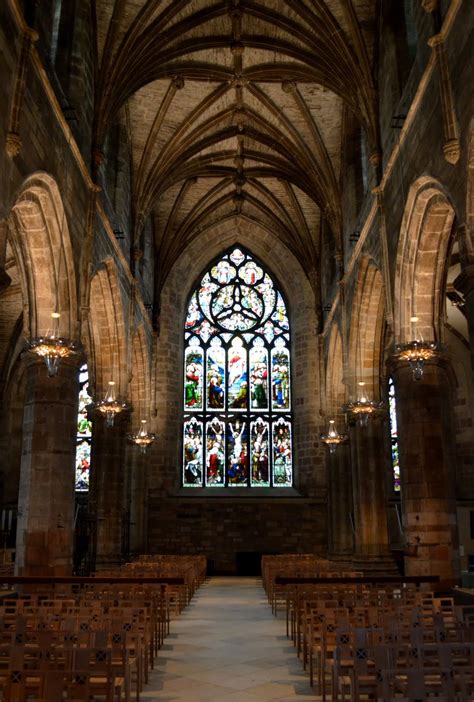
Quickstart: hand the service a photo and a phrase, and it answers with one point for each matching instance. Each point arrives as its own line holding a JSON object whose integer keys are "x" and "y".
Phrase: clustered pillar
{"x": 426, "y": 447}
{"x": 46, "y": 496}
{"x": 369, "y": 501}
{"x": 108, "y": 489}
{"x": 341, "y": 539}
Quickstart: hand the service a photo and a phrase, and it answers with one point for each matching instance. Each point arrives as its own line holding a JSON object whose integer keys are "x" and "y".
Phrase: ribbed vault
{"x": 235, "y": 108}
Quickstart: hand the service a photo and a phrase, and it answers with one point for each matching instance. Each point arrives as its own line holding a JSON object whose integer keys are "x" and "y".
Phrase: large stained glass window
{"x": 84, "y": 435}
{"x": 237, "y": 429}
{"x": 394, "y": 435}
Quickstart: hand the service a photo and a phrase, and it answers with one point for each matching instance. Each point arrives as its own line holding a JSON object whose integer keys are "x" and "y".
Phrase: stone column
{"x": 5, "y": 279}
{"x": 138, "y": 500}
{"x": 370, "y": 503}
{"x": 46, "y": 496}
{"x": 465, "y": 284}
{"x": 341, "y": 541}
{"x": 107, "y": 490}
{"x": 427, "y": 466}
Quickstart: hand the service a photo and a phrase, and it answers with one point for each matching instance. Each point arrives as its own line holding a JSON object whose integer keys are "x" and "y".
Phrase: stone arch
{"x": 335, "y": 388}
{"x": 301, "y": 307}
{"x": 420, "y": 274}
{"x": 39, "y": 235}
{"x": 140, "y": 378}
{"x": 107, "y": 333}
{"x": 367, "y": 327}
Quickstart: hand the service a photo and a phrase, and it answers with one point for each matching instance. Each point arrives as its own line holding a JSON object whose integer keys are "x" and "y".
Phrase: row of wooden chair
{"x": 372, "y": 641}
{"x": 91, "y": 640}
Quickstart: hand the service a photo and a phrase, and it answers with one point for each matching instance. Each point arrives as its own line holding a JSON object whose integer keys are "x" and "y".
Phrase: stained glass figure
{"x": 84, "y": 434}
{"x": 237, "y": 452}
{"x": 215, "y": 453}
{"x": 282, "y": 453}
{"x": 237, "y": 375}
{"x": 192, "y": 442}
{"x": 259, "y": 376}
{"x": 194, "y": 359}
{"x": 392, "y": 403}
{"x": 260, "y": 462}
{"x": 237, "y": 393}
{"x": 280, "y": 376}
{"x": 215, "y": 375}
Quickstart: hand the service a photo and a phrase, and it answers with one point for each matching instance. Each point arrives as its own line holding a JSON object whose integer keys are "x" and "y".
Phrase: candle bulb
{"x": 10, "y": 517}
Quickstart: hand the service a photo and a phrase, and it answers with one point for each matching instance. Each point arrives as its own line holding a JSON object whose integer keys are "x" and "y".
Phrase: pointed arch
{"x": 140, "y": 378}
{"x": 107, "y": 331}
{"x": 39, "y": 234}
{"x": 335, "y": 388}
{"x": 423, "y": 247}
{"x": 367, "y": 326}
{"x": 283, "y": 266}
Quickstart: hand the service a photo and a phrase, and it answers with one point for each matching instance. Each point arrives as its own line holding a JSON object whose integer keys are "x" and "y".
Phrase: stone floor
{"x": 227, "y": 646}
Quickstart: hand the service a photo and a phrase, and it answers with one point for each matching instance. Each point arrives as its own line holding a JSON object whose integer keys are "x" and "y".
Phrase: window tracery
{"x": 237, "y": 428}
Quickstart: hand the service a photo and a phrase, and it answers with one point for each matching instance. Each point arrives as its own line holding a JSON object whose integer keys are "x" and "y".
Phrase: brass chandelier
{"x": 363, "y": 408}
{"x": 142, "y": 438}
{"x": 333, "y": 439}
{"x": 110, "y": 406}
{"x": 52, "y": 347}
{"x": 416, "y": 353}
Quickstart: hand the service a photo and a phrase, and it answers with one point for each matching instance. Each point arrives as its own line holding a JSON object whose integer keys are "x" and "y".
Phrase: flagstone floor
{"x": 227, "y": 646}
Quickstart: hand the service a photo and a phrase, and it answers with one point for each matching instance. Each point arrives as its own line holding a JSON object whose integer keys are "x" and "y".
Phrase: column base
{"x": 375, "y": 564}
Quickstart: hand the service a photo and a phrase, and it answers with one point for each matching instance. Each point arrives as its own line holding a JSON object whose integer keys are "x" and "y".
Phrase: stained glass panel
{"x": 237, "y": 453}
{"x": 280, "y": 377}
{"x": 259, "y": 453}
{"x": 215, "y": 376}
{"x": 259, "y": 376}
{"x": 237, "y": 426}
{"x": 193, "y": 363}
{"x": 282, "y": 473}
{"x": 394, "y": 435}
{"x": 84, "y": 434}
{"x": 215, "y": 453}
{"x": 237, "y": 375}
{"x": 192, "y": 442}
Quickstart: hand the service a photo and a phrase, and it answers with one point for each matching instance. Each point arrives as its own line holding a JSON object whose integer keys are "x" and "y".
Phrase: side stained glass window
{"x": 84, "y": 434}
{"x": 394, "y": 435}
{"x": 237, "y": 428}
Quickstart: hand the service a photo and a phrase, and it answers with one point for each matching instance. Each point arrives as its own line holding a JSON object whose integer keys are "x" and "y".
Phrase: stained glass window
{"x": 237, "y": 429}
{"x": 394, "y": 435}
{"x": 84, "y": 434}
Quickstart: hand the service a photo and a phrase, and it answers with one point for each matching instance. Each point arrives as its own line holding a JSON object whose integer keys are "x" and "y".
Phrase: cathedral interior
{"x": 237, "y": 283}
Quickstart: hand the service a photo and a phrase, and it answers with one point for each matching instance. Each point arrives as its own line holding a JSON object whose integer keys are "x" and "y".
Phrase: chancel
{"x": 236, "y": 348}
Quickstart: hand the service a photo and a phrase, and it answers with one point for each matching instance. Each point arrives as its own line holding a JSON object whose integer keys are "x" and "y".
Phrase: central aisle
{"x": 228, "y": 647}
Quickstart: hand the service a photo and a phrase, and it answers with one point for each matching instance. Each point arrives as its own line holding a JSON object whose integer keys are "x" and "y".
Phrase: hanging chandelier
{"x": 109, "y": 407}
{"x": 333, "y": 439}
{"x": 363, "y": 408}
{"x": 416, "y": 353}
{"x": 52, "y": 347}
{"x": 142, "y": 438}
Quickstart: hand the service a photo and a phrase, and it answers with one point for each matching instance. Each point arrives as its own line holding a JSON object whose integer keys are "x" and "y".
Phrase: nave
{"x": 227, "y": 646}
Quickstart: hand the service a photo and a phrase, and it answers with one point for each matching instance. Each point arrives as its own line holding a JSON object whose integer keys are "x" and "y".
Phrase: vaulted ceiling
{"x": 235, "y": 111}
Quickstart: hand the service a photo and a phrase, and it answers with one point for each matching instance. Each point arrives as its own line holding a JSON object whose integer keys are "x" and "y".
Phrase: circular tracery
{"x": 237, "y": 297}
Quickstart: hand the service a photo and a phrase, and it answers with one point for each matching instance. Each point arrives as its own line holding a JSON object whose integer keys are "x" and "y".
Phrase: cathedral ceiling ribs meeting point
{"x": 235, "y": 110}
